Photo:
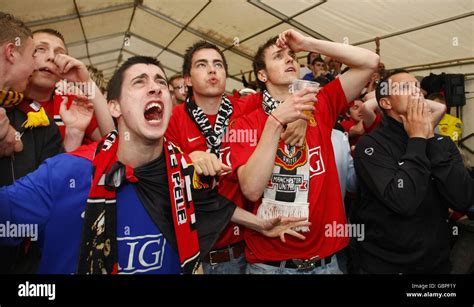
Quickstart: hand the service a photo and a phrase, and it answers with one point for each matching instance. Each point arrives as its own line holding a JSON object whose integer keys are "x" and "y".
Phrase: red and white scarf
{"x": 98, "y": 252}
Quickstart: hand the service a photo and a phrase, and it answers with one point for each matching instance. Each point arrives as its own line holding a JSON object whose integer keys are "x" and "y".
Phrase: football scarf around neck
{"x": 182, "y": 208}
{"x": 35, "y": 113}
{"x": 269, "y": 103}
{"x": 288, "y": 190}
{"x": 9, "y": 99}
{"x": 36, "y": 116}
{"x": 99, "y": 250}
{"x": 213, "y": 135}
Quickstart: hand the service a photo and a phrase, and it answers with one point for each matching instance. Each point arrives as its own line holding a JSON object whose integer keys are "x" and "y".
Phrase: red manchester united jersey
{"x": 312, "y": 167}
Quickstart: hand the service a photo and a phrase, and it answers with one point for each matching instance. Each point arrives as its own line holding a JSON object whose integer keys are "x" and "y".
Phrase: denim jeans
{"x": 260, "y": 268}
{"x": 234, "y": 266}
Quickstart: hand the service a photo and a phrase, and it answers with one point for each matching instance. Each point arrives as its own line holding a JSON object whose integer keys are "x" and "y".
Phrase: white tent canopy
{"x": 104, "y": 33}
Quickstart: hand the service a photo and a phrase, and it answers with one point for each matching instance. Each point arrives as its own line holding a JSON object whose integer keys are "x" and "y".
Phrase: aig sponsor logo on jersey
{"x": 225, "y": 155}
{"x": 316, "y": 163}
{"x": 145, "y": 253}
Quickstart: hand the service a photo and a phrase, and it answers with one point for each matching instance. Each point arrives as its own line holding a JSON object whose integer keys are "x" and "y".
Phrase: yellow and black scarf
{"x": 36, "y": 116}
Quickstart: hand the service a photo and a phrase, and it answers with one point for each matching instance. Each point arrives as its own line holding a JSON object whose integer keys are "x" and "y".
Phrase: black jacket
{"x": 38, "y": 144}
{"x": 407, "y": 186}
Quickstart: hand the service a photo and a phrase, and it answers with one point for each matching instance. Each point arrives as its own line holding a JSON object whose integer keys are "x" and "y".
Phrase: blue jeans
{"x": 260, "y": 268}
{"x": 234, "y": 266}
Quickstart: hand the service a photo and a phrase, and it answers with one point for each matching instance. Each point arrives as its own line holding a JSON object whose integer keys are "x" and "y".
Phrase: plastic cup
{"x": 298, "y": 85}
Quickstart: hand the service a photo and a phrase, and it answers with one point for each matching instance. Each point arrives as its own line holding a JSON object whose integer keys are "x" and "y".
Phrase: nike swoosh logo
{"x": 401, "y": 163}
{"x": 193, "y": 139}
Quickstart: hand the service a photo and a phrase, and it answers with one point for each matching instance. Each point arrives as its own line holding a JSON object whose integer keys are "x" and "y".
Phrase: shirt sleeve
{"x": 172, "y": 132}
{"x": 246, "y": 104}
{"x": 451, "y": 176}
{"x": 29, "y": 200}
{"x": 331, "y": 102}
{"x": 399, "y": 185}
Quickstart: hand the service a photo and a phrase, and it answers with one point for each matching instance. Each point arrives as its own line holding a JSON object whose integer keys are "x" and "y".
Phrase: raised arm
{"x": 368, "y": 110}
{"x": 437, "y": 111}
{"x": 76, "y": 119}
{"x": 363, "y": 62}
{"x": 74, "y": 70}
{"x": 254, "y": 175}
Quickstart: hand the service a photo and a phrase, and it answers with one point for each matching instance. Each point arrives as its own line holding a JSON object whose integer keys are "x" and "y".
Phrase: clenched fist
{"x": 9, "y": 137}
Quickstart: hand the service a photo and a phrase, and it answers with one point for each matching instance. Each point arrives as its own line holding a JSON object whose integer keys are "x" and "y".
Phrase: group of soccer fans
{"x": 161, "y": 176}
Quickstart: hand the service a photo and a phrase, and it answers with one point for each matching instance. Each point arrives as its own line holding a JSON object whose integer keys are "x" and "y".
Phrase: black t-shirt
{"x": 213, "y": 212}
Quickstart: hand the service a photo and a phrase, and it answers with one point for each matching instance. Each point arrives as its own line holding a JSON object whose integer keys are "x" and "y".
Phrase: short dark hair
{"x": 188, "y": 56}
{"x": 259, "y": 59}
{"x": 436, "y": 95}
{"x": 52, "y": 32}
{"x": 317, "y": 59}
{"x": 308, "y": 57}
{"x": 384, "y": 84}
{"x": 174, "y": 77}
{"x": 12, "y": 29}
{"x": 114, "y": 88}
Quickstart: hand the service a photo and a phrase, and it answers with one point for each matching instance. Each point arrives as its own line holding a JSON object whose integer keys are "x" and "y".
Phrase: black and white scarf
{"x": 269, "y": 103}
{"x": 282, "y": 197}
{"x": 214, "y": 135}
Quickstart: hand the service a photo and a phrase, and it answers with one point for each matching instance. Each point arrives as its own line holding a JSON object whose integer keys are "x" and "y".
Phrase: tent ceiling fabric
{"x": 71, "y": 29}
{"x": 364, "y": 19}
{"x": 412, "y": 32}
{"x": 180, "y": 10}
{"x": 153, "y": 28}
{"x": 290, "y": 8}
{"x": 226, "y": 20}
{"x": 107, "y": 23}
